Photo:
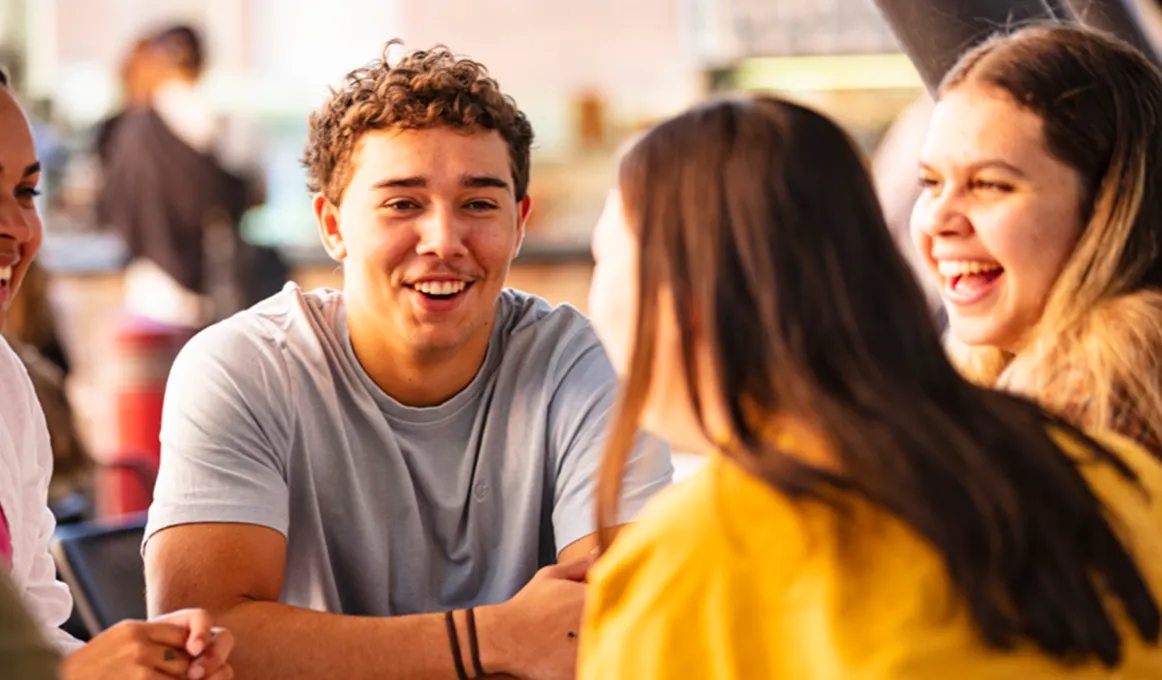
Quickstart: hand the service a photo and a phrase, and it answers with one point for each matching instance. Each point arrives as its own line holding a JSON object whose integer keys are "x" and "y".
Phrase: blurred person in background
{"x": 866, "y": 512}
{"x": 181, "y": 645}
{"x": 138, "y": 76}
{"x": 177, "y": 178}
{"x": 357, "y": 481}
{"x": 1041, "y": 223}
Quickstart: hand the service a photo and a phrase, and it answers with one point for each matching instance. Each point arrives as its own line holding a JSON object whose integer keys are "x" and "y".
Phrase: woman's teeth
{"x": 5, "y": 274}
{"x": 950, "y": 268}
{"x": 440, "y": 287}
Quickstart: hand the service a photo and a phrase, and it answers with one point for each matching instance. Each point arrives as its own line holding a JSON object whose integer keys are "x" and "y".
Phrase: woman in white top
{"x": 177, "y": 646}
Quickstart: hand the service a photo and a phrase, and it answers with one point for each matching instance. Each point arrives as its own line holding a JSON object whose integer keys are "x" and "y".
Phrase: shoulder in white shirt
{"x": 25, "y": 471}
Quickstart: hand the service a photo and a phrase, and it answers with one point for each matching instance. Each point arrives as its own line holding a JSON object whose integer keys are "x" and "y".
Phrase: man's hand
{"x": 180, "y": 645}
{"x": 534, "y": 635}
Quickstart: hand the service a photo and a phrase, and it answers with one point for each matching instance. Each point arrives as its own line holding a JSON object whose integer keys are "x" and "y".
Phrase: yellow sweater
{"x": 723, "y": 577}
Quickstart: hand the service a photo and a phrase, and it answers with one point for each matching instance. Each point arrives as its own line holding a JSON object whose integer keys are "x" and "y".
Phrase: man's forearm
{"x": 288, "y": 643}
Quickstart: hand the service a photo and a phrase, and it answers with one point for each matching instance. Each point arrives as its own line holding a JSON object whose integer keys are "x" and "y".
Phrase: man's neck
{"x": 412, "y": 378}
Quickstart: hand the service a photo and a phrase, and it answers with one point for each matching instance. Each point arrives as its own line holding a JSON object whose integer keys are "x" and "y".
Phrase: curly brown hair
{"x": 426, "y": 88}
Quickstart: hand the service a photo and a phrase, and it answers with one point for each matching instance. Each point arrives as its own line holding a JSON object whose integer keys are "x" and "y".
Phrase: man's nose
{"x": 441, "y": 234}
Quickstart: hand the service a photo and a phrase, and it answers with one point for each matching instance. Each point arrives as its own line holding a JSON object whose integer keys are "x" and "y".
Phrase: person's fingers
{"x": 199, "y": 624}
{"x": 164, "y": 633}
{"x": 573, "y": 571}
{"x": 219, "y": 651}
{"x": 173, "y": 662}
{"x": 215, "y": 656}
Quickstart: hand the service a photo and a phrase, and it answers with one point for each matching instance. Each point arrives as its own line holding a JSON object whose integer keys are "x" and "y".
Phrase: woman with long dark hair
{"x": 866, "y": 512}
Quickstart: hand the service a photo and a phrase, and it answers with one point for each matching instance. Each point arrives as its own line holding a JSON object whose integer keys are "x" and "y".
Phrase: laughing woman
{"x": 1041, "y": 220}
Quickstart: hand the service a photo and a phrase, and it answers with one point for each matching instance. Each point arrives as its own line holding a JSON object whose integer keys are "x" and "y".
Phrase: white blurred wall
{"x": 278, "y": 56}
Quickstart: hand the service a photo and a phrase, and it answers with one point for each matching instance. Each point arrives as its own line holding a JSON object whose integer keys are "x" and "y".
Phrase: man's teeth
{"x": 5, "y": 273}
{"x": 950, "y": 268}
{"x": 441, "y": 287}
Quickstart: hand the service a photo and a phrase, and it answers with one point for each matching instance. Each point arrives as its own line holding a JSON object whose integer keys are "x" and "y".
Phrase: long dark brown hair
{"x": 759, "y": 217}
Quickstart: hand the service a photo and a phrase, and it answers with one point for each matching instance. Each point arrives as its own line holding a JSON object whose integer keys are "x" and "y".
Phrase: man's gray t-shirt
{"x": 269, "y": 419}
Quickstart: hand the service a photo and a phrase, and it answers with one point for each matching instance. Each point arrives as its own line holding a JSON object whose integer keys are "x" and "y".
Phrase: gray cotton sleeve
{"x": 224, "y": 434}
{"x": 579, "y": 418}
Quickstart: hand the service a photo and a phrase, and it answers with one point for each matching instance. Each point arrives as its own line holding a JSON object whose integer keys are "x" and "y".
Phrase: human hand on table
{"x": 534, "y": 635}
{"x": 183, "y": 644}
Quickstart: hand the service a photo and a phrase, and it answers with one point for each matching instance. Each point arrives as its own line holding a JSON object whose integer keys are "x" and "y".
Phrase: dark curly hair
{"x": 426, "y": 88}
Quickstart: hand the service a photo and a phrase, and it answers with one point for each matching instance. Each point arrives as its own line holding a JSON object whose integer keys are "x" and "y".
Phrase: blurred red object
{"x": 144, "y": 351}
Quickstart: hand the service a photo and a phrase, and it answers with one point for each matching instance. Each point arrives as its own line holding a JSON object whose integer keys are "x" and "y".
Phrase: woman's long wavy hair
{"x": 759, "y": 220}
{"x": 1095, "y": 355}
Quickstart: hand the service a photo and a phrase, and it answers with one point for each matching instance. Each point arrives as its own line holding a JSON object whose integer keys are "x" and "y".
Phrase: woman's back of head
{"x": 751, "y": 166}
{"x": 757, "y": 223}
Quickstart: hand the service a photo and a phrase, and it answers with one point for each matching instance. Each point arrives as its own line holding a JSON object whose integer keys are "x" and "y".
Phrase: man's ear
{"x": 327, "y": 215}
{"x": 523, "y": 209}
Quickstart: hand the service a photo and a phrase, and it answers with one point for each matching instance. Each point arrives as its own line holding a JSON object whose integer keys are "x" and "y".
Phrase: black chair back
{"x": 101, "y": 562}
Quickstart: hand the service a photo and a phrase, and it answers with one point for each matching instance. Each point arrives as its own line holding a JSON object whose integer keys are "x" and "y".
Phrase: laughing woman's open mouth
{"x": 968, "y": 282}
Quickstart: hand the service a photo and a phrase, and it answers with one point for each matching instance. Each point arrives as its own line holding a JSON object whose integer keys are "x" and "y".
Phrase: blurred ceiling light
{"x": 827, "y": 72}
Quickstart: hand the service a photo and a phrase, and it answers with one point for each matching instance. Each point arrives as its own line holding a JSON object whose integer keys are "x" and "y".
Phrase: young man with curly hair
{"x": 395, "y": 480}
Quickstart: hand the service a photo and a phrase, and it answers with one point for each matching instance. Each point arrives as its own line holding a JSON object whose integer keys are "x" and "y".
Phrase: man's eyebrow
{"x": 405, "y": 182}
{"x": 485, "y": 181}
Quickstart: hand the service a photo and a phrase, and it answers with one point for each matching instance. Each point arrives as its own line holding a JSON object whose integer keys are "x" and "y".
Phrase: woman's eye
{"x": 986, "y": 185}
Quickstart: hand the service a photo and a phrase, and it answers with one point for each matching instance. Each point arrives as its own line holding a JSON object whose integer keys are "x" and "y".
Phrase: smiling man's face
{"x": 427, "y": 228}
